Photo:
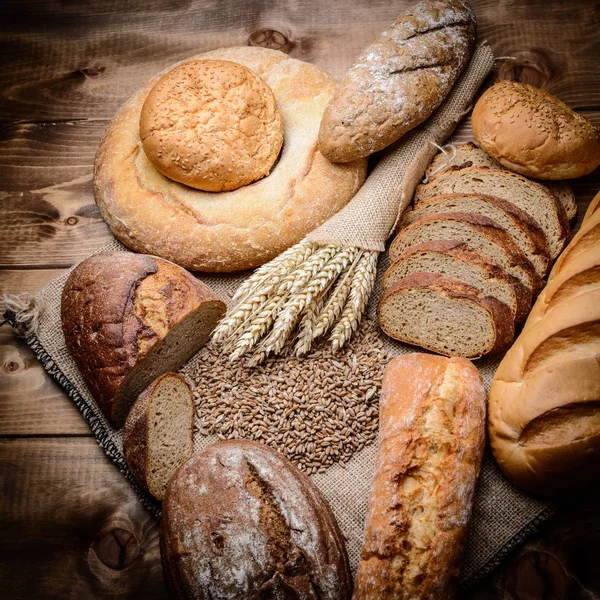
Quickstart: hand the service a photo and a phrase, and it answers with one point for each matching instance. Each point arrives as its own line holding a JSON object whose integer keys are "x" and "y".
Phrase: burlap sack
{"x": 502, "y": 516}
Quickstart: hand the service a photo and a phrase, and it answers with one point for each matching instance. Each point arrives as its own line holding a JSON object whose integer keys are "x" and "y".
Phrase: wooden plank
{"x": 17, "y": 281}
{"x": 30, "y": 402}
{"x": 72, "y": 526}
{"x": 83, "y": 59}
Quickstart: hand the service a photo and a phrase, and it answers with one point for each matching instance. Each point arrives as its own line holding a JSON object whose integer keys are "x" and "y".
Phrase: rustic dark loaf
{"x": 399, "y": 80}
{"x": 241, "y": 522}
{"x": 445, "y": 315}
{"x": 432, "y": 421}
{"x": 158, "y": 436}
{"x": 128, "y": 318}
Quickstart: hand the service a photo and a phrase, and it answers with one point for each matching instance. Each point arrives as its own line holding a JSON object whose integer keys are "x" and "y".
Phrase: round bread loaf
{"x": 533, "y": 133}
{"x": 239, "y": 521}
{"x": 239, "y": 229}
{"x": 211, "y": 124}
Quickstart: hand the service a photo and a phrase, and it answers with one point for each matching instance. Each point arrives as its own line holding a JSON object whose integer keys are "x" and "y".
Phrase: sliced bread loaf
{"x": 455, "y": 260}
{"x": 158, "y": 432}
{"x": 523, "y": 230}
{"x": 531, "y": 197}
{"x": 445, "y": 315}
{"x": 471, "y": 155}
{"x": 480, "y": 234}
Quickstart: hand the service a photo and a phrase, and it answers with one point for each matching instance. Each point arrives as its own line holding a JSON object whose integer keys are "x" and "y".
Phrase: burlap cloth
{"x": 502, "y": 515}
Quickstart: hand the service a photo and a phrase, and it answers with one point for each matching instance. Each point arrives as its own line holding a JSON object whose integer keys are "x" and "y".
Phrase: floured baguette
{"x": 444, "y": 315}
{"x": 523, "y": 230}
{"x": 455, "y": 260}
{"x": 432, "y": 418}
{"x": 471, "y": 155}
{"x": 158, "y": 432}
{"x": 530, "y": 197}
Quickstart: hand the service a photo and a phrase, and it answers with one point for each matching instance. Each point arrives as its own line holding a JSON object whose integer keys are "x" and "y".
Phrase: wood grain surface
{"x": 70, "y": 525}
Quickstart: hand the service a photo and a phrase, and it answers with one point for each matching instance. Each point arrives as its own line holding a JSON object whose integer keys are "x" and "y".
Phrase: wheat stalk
{"x": 360, "y": 290}
{"x": 308, "y": 320}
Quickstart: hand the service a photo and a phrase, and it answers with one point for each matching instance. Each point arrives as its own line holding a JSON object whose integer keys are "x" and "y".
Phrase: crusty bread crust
{"x": 533, "y": 133}
{"x": 399, "y": 80}
{"x": 432, "y": 432}
{"x": 243, "y": 228}
{"x": 240, "y": 521}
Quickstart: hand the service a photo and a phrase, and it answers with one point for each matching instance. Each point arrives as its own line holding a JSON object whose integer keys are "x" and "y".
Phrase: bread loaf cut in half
{"x": 241, "y": 522}
{"x": 523, "y": 230}
{"x": 470, "y": 155}
{"x": 544, "y": 430}
{"x": 480, "y": 234}
{"x": 446, "y": 316}
{"x": 399, "y": 80}
{"x": 530, "y": 197}
{"x": 592, "y": 208}
{"x": 128, "y": 318}
{"x": 159, "y": 431}
{"x": 454, "y": 260}
{"x": 432, "y": 432}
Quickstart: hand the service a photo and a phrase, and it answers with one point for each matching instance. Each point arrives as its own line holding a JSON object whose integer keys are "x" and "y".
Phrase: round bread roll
{"x": 239, "y": 229}
{"x": 533, "y": 133}
{"x": 211, "y": 124}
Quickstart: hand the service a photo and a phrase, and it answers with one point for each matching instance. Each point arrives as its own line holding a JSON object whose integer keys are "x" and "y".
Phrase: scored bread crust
{"x": 211, "y": 124}
{"x": 432, "y": 436}
{"x": 592, "y": 208}
{"x": 240, "y": 521}
{"x": 239, "y": 229}
{"x": 116, "y": 308}
{"x": 399, "y": 80}
{"x": 521, "y": 227}
{"x": 533, "y": 133}
{"x": 136, "y": 432}
{"x": 500, "y": 314}
{"x": 460, "y": 251}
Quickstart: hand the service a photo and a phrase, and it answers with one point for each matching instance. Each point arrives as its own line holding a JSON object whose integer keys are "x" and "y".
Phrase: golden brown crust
{"x": 239, "y": 229}
{"x": 432, "y": 431}
{"x": 211, "y": 124}
{"x": 116, "y": 306}
{"x": 241, "y": 522}
{"x": 533, "y": 133}
{"x": 399, "y": 80}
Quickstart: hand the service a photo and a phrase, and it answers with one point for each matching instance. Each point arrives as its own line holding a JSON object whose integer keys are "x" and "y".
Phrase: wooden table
{"x": 70, "y": 525}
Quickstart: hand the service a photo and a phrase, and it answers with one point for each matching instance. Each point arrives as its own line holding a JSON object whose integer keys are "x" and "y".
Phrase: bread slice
{"x": 158, "y": 432}
{"x": 470, "y": 155}
{"x": 455, "y": 260}
{"x": 531, "y": 197}
{"x": 445, "y": 315}
{"x": 480, "y": 234}
{"x": 519, "y": 225}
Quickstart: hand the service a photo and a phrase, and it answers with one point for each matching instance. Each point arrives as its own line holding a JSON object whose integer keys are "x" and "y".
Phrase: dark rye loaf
{"x": 523, "y": 230}
{"x": 455, "y": 260}
{"x": 445, "y": 315}
{"x": 532, "y": 198}
{"x": 128, "y": 318}
{"x": 241, "y": 522}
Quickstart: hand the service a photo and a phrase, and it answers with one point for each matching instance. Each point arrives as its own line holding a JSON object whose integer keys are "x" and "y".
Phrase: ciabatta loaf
{"x": 530, "y": 197}
{"x": 432, "y": 419}
{"x": 128, "y": 318}
{"x": 158, "y": 436}
{"x": 446, "y": 316}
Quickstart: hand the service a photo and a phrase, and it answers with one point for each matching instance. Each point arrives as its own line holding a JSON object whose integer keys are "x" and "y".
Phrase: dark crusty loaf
{"x": 399, "y": 80}
{"x": 471, "y": 155}
{"x": 532, "y": 198}
{"x": 445, "y": 315}
{"x": 432, "y": 422}
{"x": 158, "y": 436}
{"x": 523, "y": 230}
{"x": 455, "y": 260}
{"x": 480, "y": 234}
{"x": 241, "y": 522}
{"x": 128, "y": 318}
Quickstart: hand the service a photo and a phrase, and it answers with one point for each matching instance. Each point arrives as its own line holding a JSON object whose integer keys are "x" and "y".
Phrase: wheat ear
{"x": 358, "y": 297}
